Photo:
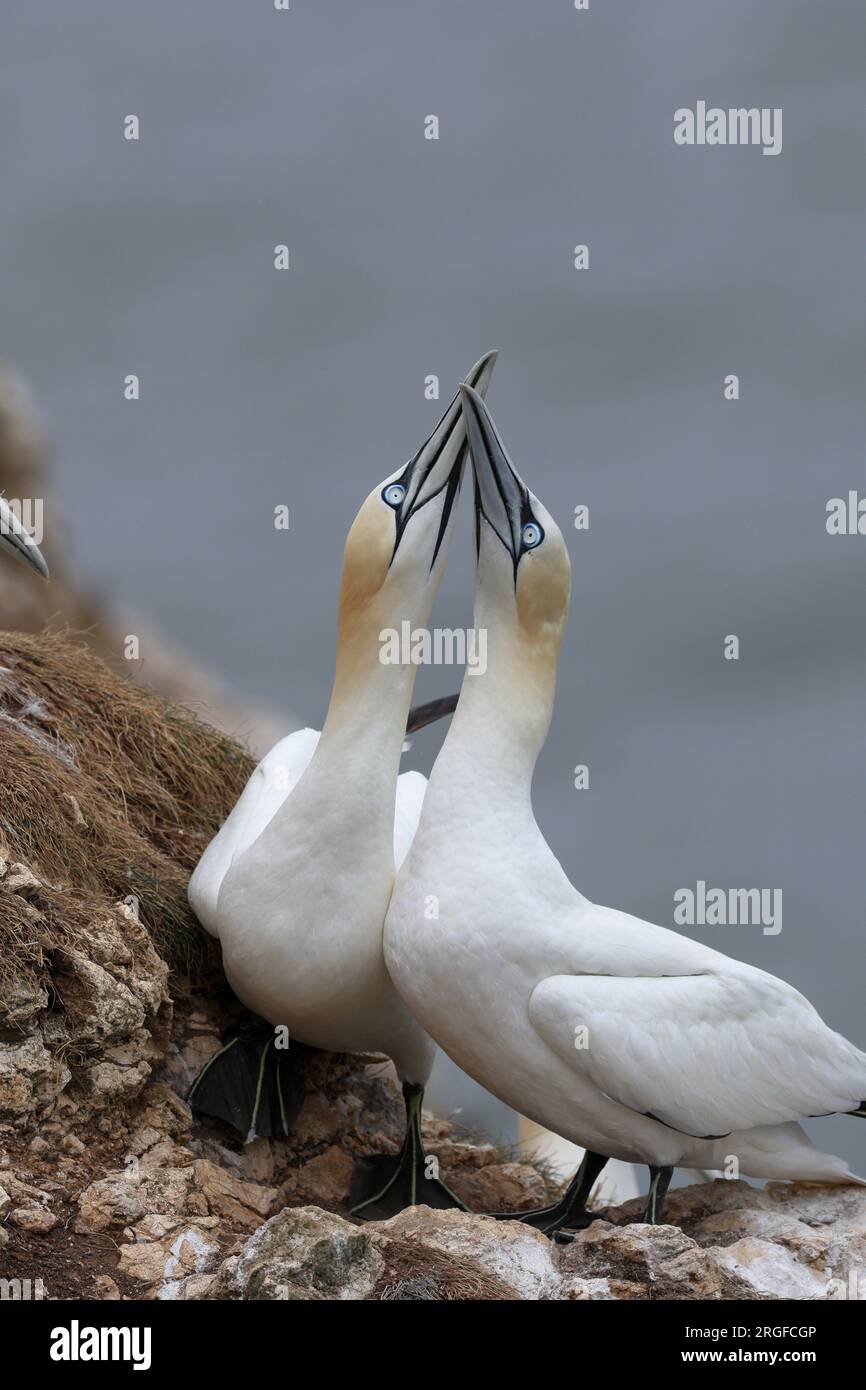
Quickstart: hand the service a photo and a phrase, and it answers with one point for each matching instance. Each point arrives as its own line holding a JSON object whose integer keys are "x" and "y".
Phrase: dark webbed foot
{"x": 385, "y": 1184}
{"x": 252, "y": 1085}
{"x": 570, "y": 1212}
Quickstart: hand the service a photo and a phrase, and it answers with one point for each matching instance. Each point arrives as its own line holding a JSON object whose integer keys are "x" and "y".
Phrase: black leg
{"x": 660, "y": 1179}
{"x": 384, "y": 1184}
{"x": 570, "y": 1212}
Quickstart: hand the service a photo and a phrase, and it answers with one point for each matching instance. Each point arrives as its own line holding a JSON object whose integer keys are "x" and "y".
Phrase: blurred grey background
{"x": 411, "y": 257}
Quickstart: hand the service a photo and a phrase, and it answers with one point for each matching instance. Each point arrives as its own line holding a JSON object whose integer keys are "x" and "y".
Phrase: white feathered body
{"x": 592, "y": 1022}
{"x": 298, "y": 900}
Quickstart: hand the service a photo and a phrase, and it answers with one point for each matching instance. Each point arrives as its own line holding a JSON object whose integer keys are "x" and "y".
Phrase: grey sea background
{"x": 411, "y": 257}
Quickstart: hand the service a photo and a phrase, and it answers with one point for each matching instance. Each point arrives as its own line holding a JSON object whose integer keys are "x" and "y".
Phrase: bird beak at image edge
{"x": 15, "y": 538}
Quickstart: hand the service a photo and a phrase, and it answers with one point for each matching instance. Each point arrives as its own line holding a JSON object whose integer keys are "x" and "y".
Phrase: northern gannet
{"x": 270, "y": 783}
{"x": 627, "y": 1038}
{"x": 15, "y": 538}
{"x": 297, "y": 884}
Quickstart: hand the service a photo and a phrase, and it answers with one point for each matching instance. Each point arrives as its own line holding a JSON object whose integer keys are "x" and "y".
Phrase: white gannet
{"x": 629, "y": 1039}
{"x": 270, "y": 783}
{"x": 15, "y": 538}
{"x": 297, "y": 884}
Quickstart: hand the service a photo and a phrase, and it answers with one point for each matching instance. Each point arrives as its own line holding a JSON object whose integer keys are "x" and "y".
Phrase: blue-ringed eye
{"x": 531, "y": 535}
{"x": 394, "y": 494}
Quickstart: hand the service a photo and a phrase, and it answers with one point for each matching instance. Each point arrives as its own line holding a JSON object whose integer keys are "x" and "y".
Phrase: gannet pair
{"x": 297, "y": 882}
{"x": 629, "y": 1039}
{"x": 16, "y": 539}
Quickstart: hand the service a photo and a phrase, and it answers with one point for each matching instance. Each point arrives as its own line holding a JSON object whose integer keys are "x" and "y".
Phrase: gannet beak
{"x": 501, "y": 496}
{"x": 440, "y": 461}
{"x": 16, "y": 538}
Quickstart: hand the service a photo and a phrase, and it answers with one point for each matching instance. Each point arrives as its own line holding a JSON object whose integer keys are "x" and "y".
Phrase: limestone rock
{"x": 105, "y": 1288}
{"x": 245, "y": 1203}
{"x": 31, "y": 1079}
{"x": 107, "y": 1084}
{"x": 787, "y": 1240}
{"x": 188, "y": 1251}
{"x": 103, "y": 1007}
{"x": 144, "y": 1262}
{"x": 477, "y": 1174}
{"x": 165, "y": 1112}
{"x": 521, "y": 1258}
{"x": 324, "y": 1180}
{"x": 20, "y": 879}
{"x": 37, "y": 1220}
{"x": 167, "y": 1154}
{"x": 21, "y": 1003}
{"x": 22, "y": 1193}
{"x": 840, "y": 1207}
{"x": 768, "y": 1270}
{"x": 193, "y": 1288}
{"x": 156, "y": 1227}
{"x": 302, "y": 1253}
{"x": 125, "y": 1197}
{"x": 648, "y": 1262}
{"x": 114, "y": 982}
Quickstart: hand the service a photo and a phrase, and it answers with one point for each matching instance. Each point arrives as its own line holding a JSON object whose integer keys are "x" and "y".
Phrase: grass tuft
{"x": 107, "y": 791}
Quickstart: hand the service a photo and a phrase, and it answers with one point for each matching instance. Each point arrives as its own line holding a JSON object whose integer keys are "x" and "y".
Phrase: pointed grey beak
{"x": 501, "y": 496}
{"x": 440, "y": 461}
{"x": 15, "y": 538}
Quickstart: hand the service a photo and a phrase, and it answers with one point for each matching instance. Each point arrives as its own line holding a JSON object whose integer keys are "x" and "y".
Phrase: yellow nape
{"x": 367, "y": 555}
{"x": 543, "y": 593}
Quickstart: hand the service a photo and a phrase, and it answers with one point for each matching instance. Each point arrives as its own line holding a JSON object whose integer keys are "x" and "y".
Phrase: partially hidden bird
{"x": 16, "y": 540}
{"x": 297, "y": 882}
{"x": 626, "y": 1038}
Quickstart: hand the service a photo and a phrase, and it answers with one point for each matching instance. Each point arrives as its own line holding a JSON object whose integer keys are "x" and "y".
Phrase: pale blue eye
{"x": 531, "y": 535}
{"x": 394, "y": 494}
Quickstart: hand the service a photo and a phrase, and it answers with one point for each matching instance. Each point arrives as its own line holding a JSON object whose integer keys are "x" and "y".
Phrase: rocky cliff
{"x": 111, "y": 998}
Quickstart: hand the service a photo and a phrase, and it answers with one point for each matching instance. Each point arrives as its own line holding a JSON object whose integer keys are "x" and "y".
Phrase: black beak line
{"x": 419, "y": 468}
{"x": 501, "y": 496}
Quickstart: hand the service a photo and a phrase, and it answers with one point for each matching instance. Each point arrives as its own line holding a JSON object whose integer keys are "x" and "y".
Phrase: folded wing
{"x": 705, "y": 1052}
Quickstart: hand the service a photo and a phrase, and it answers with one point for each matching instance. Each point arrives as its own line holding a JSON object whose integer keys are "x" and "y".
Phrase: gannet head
{"x": 398, "y": 543}
{"x": 523, "y": 574}
{"x": 15, "y": 538}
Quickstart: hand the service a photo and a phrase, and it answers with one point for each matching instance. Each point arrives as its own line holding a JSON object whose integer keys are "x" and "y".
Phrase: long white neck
{"x": 504, "y": 713}
{"x": 365, "y": 725}
{"x": 358, "y": 754}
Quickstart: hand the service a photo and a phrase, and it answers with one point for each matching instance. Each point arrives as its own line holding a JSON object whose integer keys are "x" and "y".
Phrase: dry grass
{"x": 106, "y": 791}
{"x": 417, "y": 1272}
